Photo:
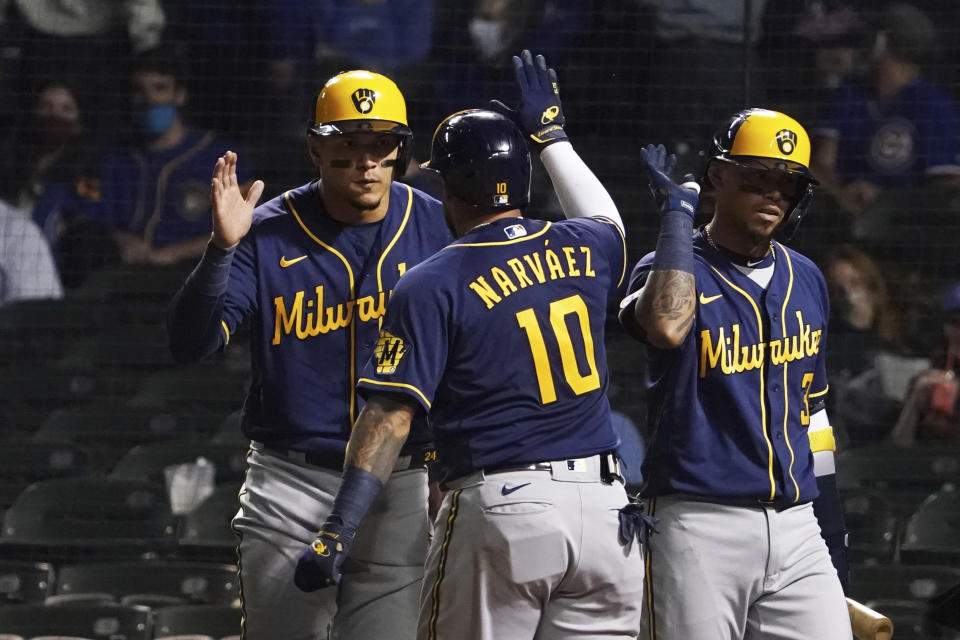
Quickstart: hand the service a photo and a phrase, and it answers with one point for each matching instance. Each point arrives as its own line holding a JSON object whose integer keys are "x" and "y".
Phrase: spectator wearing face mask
{"x": 153, "y": 195}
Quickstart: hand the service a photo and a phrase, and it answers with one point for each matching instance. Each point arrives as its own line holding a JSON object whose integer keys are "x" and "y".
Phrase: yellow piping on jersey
{"x": 819, "y": 393}
{"x": 623, "y": 241}
{"x": 162, "y": 183}
{"x": 763, "y": 402}
{"x": 353, "y": 295}
{"x": 502, "y": 242}
{"x": 402, "y": 385}
{"x": 396, "y": 236}
{"x": 226, "y": 331}
{"x": 786, "y": 391}
{"x": 442, "y": 565}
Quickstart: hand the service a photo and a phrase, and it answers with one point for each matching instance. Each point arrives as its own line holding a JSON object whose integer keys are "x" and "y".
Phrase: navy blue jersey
{"x": 729, "y": 409}
{"x": 500, "y": 337}
{"x": 163, "y": 196}
{"x": 897, "y": 142}
{"x": 315, "y": 292}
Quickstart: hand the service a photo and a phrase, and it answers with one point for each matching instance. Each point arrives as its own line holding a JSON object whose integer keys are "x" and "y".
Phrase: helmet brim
{"x": 793, "y": 168}
{"x": 361, "y": 126}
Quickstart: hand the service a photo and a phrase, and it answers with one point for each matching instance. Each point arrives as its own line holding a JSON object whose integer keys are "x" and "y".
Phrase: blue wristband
{"x": 357, "y": 492}
{"x": 213, "y": 272}
{"x": 675, "y": 243}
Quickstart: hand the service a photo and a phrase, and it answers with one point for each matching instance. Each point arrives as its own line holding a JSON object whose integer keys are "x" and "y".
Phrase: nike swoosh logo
{"x": 508, "y": 490}
{"x": 286, "y": 263}
{"x": 753, "y": 264}
{"x": 706, "y": 300}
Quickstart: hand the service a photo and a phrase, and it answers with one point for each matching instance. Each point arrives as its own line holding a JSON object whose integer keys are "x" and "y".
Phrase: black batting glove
{"x": 540, "y": 115}
{"x": 319, "y": 564}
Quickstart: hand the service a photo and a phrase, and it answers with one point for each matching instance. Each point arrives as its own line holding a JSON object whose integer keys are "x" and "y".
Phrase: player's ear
{"x": 313, "y": 148}
{"x": 715, "y": 174}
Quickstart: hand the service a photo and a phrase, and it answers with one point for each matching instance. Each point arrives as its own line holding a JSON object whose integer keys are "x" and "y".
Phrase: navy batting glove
{"x": 539, "y": 115}
{"x": 669, "y": 195}
{"x": 319, "y": 564}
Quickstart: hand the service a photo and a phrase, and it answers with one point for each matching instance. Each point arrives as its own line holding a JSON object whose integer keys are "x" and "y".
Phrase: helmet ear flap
{"x": 791, "y": 222}
{"x": 404, "y": 152}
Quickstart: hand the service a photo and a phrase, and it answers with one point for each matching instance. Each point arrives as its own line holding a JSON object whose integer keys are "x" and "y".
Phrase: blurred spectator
{"x": 86, "y": 40}
{"x": 868, "y": 373}
{"x": 931, "y": 410}
{"x": 698, "y": 44}
{"x": 897, "y": 130}
{"x": 47, "y": 155}
{"x": 153, "y": 195}
{"x": 27, "y": 269}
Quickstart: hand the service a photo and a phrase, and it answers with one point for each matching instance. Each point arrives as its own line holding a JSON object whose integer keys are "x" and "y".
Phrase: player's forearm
{"x": 379, "y": 434}
{"x": 579, "y": 191}
{"x": 193, "y": 318}
{"x": 665, "y": 307}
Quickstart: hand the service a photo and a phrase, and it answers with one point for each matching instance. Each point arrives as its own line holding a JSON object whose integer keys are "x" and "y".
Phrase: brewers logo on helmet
{"x": 362, "y": 101}
{"x": 775, "y": 141}
{"x": 483, "y": 160}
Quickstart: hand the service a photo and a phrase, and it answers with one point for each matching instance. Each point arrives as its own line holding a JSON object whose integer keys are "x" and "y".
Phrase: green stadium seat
{"x": 66, "y": 518}
{"x": 25, "y": 581}
{"x": 210, "y": 620}
{"x": 889, "y": 466}
{"x": 873, "y": 525}
{"x": 206, "y": 531}
{"x": 95, "y": 621}
{"x": 23, "y": 463}
{"x": 148, "y": 461}
{"x": 933, "y": 533}
{"x": 901, "y": 582}
{"x": 191, "y": 582}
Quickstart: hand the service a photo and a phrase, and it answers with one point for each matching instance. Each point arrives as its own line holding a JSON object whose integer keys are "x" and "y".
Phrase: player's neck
{"x": 346, "y": 212}
{"x": 731, "y": 239}
{"x": 463, "y": 226}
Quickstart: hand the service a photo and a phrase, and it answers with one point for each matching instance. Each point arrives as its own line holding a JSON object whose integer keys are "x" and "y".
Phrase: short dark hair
{"x": 166, "y": 59}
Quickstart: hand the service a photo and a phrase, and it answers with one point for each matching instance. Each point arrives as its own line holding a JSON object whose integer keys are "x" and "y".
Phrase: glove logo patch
{"x": 389, "y": 351}
{"x": 363, "y": 100}
{"x": 550, "y": 114}
{"x": 786, "y": 141}
{"x": 321, "y": 549}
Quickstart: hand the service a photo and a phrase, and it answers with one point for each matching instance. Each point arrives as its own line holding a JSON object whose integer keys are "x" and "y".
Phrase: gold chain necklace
{"x": 713, "y": 244}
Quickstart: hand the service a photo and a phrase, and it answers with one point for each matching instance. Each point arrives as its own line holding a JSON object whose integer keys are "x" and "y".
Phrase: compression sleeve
{"x": 579, "y": 191}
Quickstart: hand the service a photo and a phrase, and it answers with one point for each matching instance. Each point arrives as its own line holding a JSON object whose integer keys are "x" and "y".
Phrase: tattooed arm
{"x": 381, "y": 429}
{"x": 664, "y": 309}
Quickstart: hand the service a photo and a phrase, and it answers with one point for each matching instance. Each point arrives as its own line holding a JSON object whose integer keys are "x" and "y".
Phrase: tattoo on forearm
{"x": 672, "y": 296}
{"x": 377, "y": 438}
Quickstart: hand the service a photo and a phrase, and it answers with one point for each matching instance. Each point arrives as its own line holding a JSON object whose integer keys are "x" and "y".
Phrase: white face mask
{"x": 487, "y": 36}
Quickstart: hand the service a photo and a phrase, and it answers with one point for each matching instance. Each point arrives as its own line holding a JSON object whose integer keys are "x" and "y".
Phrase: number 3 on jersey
{"x": 559, "y": 310}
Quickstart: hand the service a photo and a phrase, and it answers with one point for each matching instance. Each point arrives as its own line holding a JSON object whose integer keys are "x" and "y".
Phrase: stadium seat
{"x": 79, "y": 599}
{"x": 66, "y": 516}
{"x": 192, "y": 387}
{"x": 134, "y": 347}
{"x": 873, "y": 526}
{"x": 908, "y": 617}
{"x": 189, "y": 636}
{"x": 25, "y": 581}
{"x": 229, "y": 431}
{"x": 932, "y": 534}
{"x": 23, "y": 463}
{"x": 206, "y": 531}
{"x": 901, "y": 582}
{"x": 889, "y": 466}
{"x": 112, "y": 621}
{"x": 210, "y": 620}
{"x": 110, "y": 430}
{"x": 148, "y": 461}
{"x": 193, "y": 582}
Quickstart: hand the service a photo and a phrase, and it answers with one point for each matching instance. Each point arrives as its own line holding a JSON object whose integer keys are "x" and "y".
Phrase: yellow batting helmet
{"x": 359, "y": 101}
{"x": 780, "y": 143}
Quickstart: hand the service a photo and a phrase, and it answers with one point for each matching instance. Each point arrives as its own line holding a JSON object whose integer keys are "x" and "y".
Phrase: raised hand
{"x": 540, "y": 115}
{"x": 232, "y": 212}
{"x": 669, "y": 195}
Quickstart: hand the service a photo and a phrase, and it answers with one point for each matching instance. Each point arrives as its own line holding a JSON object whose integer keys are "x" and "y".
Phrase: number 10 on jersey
{"x": 559, "y": 310}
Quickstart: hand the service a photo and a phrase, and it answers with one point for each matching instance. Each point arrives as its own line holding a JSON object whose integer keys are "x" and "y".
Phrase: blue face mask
{"x": 156, "y": 119}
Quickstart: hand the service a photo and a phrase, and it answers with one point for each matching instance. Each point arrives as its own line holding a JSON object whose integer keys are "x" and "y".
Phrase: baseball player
{"x": 500, "y": 338}
{"x": 312, "y": 271}
{"x": 739, "y": 471}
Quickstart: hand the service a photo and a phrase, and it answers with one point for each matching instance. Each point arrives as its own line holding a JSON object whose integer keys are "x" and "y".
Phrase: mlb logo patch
{"x": 579, "y": 465}
{"x": 389, "y": 351}
{"x": 515, "y": 231}
{"x": 501, "y": 199}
